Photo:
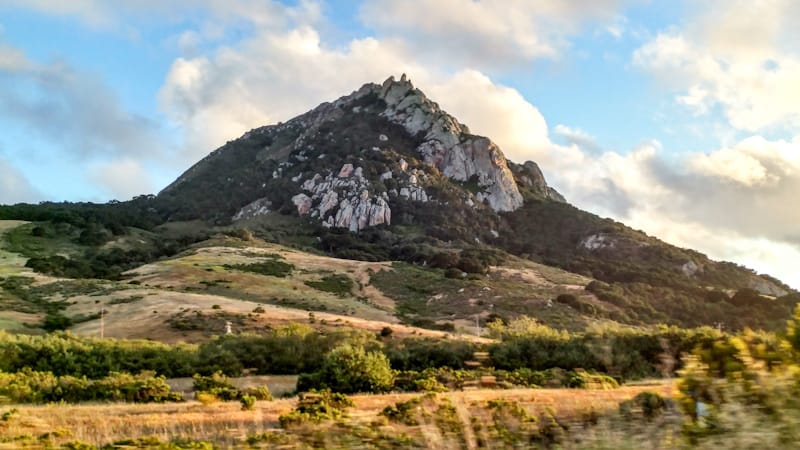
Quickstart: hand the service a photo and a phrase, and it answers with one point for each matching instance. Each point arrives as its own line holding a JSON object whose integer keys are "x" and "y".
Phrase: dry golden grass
{"x": 226, "y": 424}
{"x": 147, "y": 318}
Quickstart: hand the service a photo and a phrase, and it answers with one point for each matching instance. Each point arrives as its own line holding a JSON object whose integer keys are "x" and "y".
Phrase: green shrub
{"x": 217, "y": 385}
{"x": 316, "y": 406}
{"x": 28, "y": 386}
{"x": 260, "y": 393}
{"x": 350, "y": 369}
{"x": 248, "y": 402}
{"x": 340, "y": 285}
{"x": 56, "y": 322}
{"x": 270, "y": 267}
{"x": 403, "y": 412}
{"x": 648, "y": 405}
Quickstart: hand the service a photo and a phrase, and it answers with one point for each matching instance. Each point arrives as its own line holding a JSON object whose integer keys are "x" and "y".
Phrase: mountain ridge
{"x": 344, "y": 197}
{"x": 383, "y": 174}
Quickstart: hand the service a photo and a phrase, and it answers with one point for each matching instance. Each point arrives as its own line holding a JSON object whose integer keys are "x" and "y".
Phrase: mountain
{"x": 345, "y": 161}
{"x": 384, "y": 174}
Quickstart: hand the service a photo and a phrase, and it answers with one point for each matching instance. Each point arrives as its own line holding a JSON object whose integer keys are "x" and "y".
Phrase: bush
{"x": 28, "y": 386}
{"x": 206, "y": 398}
{"x": 270, "y": 267}
{"x": 340, "y": 285}
{"x": 248, "y": 402}
{"x": 648, "y": 405}
{"x": 56, "y": 322}
{"x": 260, "y": 393}
{"x": 454, "y": 273}
{"x": 350, "y": 369}
{"x": 316, "y": 406}
{"x": 216, "y": 385}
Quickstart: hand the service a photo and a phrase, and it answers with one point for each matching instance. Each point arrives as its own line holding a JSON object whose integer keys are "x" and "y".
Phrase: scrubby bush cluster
{"x": 28, "y": 386}
{"x": 220, "y": 387}
{"x": 316, "y": 406}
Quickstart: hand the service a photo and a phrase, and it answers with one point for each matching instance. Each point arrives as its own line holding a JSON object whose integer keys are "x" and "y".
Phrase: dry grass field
{"x": 227, "y": 425}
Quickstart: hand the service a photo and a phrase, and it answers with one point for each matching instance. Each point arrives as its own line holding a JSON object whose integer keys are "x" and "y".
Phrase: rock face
{"x": 449, "y": 146}
{"x": 530, "y": 176}
{"x": 259, "y": 207}
{"x": 343, "y": 201}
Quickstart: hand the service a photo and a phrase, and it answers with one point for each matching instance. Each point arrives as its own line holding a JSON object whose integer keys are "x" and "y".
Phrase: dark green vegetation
{"x": 76, "y": 240}
{"x": 336, "y": 284}
{"x": 355, "y": 361}
{"x": 220, "y": 387}
{"x": 270, "y": 267}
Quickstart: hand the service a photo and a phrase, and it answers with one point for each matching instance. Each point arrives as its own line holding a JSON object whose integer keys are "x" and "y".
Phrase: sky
{"x": 679, "y": 118}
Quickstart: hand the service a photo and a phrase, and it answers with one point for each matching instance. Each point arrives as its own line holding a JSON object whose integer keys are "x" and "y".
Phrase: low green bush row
{"x": 28, "y": 386}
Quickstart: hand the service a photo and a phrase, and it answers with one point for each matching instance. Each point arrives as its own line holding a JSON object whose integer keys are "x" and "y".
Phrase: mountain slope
{"x": 383, "y": 174}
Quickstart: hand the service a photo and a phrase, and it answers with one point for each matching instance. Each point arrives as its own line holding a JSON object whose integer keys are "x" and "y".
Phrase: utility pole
{"x": 102, "y": 322}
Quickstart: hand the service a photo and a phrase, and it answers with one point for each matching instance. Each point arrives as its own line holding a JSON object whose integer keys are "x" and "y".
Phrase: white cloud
{"x": 734, "y": 203}
{"x": 493, "y": 110}
{"x": 724, "y": 57}
{"x": 122, "y": 179}
{"x": 14, "y": 187}
{"x": 486, "y": 33}
{"x": 73, "y": 108}
{"x": 269, "y": 78}
{"x": 105, "y": 15}
{"x": 274, "y": 77}
{"x": 753, "y": 161}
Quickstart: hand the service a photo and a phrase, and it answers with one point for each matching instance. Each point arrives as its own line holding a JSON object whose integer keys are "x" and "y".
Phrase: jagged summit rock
{"x": 350, "y": 162}
{"x": 449, "y": 146}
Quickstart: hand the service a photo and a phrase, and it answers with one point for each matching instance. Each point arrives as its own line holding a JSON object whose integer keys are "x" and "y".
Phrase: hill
{"x": 378, "y": 206}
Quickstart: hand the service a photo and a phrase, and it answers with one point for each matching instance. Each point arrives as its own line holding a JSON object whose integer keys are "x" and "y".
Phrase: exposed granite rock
{"x": 597, "y": 242}
{"x": 690, "y": 268}
{"x": 346, "y": 171}
{"x": 257, "y": 208}
{"x": 448, "y": 144}
{"x": 347, "y": 199}
{"x": 303, "y": 203}
{"x": 529, "y": 175}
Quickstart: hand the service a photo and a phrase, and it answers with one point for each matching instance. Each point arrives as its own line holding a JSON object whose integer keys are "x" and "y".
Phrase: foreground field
{"x": 466, "y": 419}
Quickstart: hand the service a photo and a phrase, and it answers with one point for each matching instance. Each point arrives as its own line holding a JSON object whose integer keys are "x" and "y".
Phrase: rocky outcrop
{"x": 344, "y": 197}
{"x": 529, "y": 176}
{"x": 449, "y": 146}
{"x": 303, "y": 203}
{"x": 257, "y": 208}
{"x": 597, "y": 242}
{"x": 344, "y": 200}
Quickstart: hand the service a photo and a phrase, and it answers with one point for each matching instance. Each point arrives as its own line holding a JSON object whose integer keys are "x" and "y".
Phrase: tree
{"x": 349, "y": 369}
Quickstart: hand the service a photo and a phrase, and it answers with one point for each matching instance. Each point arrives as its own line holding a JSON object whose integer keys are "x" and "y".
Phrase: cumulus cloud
{"x": 731, "y": 203}
{"x": 73, "y": 108}
{"x": 724, "y": 58}
{"x": 274, "y": 77}
{"x": 122, "y": 179}
{"x": 101, "y": 14}
{"x": 493, "y": 110}
{"x": 268, "y": 78}
{"x": 486, "y": 33}
{"x": 14, "y": 187}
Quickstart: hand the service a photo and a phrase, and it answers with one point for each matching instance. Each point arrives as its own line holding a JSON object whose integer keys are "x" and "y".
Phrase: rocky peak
{"x": 530, "y": 177}
{"x": 448, "y": 144}
{"x": 347, "y": 163}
